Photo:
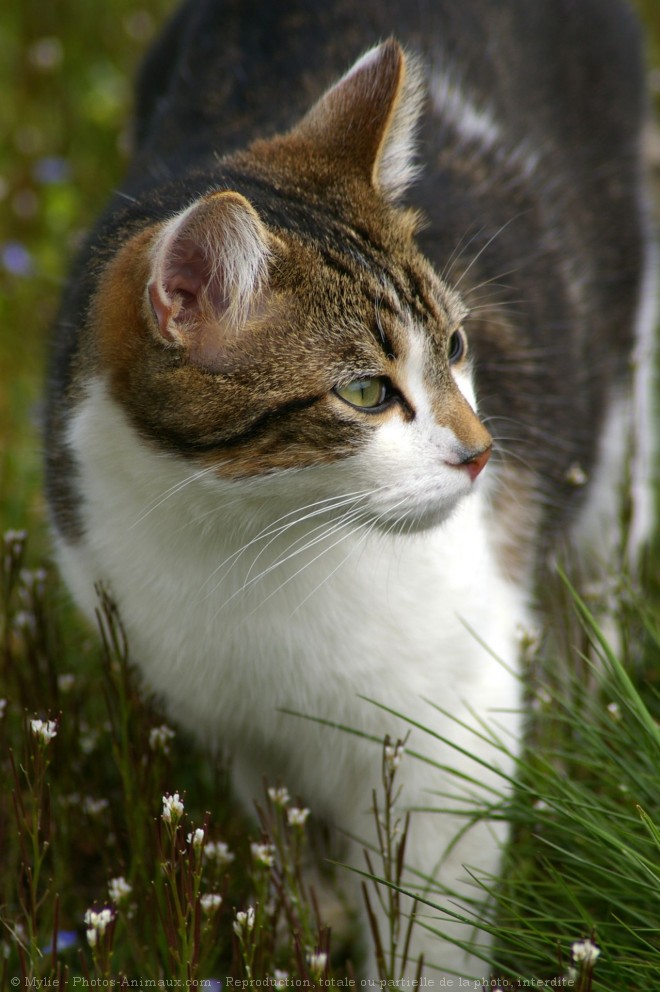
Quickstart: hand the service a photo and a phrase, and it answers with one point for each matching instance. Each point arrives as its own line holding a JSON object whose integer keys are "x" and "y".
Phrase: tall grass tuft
{"x": 578, "y": 901}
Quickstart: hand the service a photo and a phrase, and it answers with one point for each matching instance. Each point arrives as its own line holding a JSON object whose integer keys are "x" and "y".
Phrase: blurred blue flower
{"x": 16, "y": 259}
{"x": 51, "y": 169}
{"x": 66, "y": 939}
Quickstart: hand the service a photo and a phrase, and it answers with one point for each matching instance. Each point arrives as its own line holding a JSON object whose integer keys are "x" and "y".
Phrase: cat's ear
{"x": 208, "y": 267}
{"x": 366, "y": 122}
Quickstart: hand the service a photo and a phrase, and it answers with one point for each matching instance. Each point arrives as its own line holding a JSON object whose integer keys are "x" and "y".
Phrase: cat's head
{"x": 286, "y": 321}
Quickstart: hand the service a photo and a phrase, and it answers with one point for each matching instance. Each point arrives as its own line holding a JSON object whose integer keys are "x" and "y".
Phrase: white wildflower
{"x": 17, "y": 931}
{"x": 45, "y": 730}
{"x": 529, "y": 638}
{"x": 263, "y": 854}
{"x": 172, "y": 808}
{"x": 94, "y": 807}
{"x": 393, "y": 755}
{"x": 317, "y": 962}
{"x": 66, "y": 681}
{"x": 72, "y": 799}
{"x": 296, "y": 816}
{"x": 576, "y": 475}
{"x": 39, "y": 577}
{"x": 89, "y": 740}
{"x": 244, "y": 922}
{"x": 97, "y": 924}
{"x": 25, "y": 621}
{"x": 614, "y": 710}
{"x": 15, "y": 539}
{"x": 196, "y": 838}
{"x": 585, "y": 950}
{"x": 279, "y": 796}
{"x": 542, "y": 698}
{"x": 210, "y": 902}
{"x": 280, "y": 979}
{"x": 3, "y": 707}
{"x": 160, "y": 737}
{"x": 119, "y": 889}
{"x": 218, "y": 851}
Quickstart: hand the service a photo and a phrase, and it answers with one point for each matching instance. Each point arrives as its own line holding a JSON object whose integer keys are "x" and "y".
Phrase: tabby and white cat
{"x": 261, "y": 429}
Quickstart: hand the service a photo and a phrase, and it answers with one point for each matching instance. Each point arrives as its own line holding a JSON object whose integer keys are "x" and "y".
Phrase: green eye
{"x": 366, "y": 394}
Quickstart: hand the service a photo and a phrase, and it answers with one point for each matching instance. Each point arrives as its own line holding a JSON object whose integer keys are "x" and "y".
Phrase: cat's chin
{"x": 417, "y": 521}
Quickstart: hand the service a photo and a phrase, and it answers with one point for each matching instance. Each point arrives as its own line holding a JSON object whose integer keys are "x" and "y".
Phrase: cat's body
{"x": 262, "y": 439}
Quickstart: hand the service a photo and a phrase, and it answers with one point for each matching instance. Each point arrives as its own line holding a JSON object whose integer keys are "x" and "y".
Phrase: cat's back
{"x": 238, "y": 71}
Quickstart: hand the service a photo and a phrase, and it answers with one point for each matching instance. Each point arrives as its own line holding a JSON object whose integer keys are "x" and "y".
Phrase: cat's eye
{"x": 366, "y": 394}
{"x": 457, "y": 346}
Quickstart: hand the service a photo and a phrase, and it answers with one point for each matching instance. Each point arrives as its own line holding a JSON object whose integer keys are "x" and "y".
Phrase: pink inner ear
{"x": 186, "y": 273}
{"x": 186, "y": 279}
{"x": 208, "y": 268}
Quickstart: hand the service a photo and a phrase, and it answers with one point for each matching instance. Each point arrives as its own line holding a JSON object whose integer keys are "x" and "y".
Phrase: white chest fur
{"x": 234, "y": 613}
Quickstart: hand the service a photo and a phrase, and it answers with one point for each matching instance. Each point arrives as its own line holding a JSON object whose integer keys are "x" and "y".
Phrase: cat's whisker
{"x": 458, "y": 252}
{"x": 182, "y": 484}
{"x": 172, "y": 491}
{"x": 501, "y": 309}
{"x": 337, "y": 525}
{"x": 368, "y": 529}
{"x": 371, "y": 524}
{"x": 275, "y": 529}
{"x": 333, "y": 504}
{"x": 489, "y": 299}
{"x": 526, "y": 355}
{"x": 340, "y": 502}
{"x": 485, "y": 247}
{"x": 320, "y": 532}
{"x": 551, "y": 441}
{"x": 248, "y": 580}
{"x": 298, "y": 546}
{"x": 124, "y": 196}
{"x": 326, "y": 578}
{"x": 493, "y": 281}
{"x": 511, "y": 455}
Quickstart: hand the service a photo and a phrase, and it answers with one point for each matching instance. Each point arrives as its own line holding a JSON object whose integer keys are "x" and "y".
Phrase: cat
{"x": 351, "y": 353}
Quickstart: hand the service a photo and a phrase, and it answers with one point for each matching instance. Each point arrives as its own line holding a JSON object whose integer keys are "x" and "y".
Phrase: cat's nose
{"x": 475, "y": 463}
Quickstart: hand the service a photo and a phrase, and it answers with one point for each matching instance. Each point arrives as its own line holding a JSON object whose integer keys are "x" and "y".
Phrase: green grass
{"x": 86, "y": 807}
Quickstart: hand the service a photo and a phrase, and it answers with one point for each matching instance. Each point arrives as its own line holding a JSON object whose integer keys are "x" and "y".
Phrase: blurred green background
{"x": 65, "y": 96}
{"x": 66, "y": 68}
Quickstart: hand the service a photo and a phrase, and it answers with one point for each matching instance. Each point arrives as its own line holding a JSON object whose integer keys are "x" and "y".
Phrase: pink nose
{"x": 475, "y": 463}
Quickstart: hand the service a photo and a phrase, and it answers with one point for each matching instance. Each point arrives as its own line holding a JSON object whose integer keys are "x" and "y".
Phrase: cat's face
{"x": 323, "y": 350}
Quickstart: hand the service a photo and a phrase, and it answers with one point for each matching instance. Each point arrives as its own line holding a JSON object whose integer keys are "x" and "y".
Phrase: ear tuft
{"x": 396, "y": 167}
{"x": 367, "y": 121}
{"x": 209, "y": 266}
